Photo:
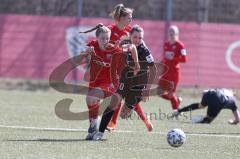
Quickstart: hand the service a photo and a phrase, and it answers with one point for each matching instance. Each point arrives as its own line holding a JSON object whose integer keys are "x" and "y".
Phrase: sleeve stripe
{"x": 183, "y": 52}
{"x": 149, "y": 58}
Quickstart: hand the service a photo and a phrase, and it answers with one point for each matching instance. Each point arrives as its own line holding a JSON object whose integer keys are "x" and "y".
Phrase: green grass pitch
{"x": 33, "y": 112}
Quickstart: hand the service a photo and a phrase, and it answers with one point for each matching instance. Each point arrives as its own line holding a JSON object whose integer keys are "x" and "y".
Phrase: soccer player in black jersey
{"x": 215, "y": 100}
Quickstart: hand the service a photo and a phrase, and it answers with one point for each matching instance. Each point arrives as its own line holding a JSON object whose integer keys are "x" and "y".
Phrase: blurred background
{"x": 225, "y": 11}
{"x": 37, "y": 36}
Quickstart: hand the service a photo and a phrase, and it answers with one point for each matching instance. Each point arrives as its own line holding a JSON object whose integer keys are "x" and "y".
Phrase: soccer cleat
{"x": 175, "y": 114}
{"x": 97, "y": 136}
{"x": 89, "y": 136}
{"x": 93, "y": 125}
{"x": 148, "y": 124}
{"x": 111, "y": 126}
{"x": 92, "y": 128}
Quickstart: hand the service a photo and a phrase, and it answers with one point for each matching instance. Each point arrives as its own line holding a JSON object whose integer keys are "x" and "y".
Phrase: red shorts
{"x": 107, "y": 88}
{"x": 169, "y": 81}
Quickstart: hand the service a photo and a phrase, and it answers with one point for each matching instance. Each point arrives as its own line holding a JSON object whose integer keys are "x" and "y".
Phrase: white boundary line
{"x": 118, "y": 131}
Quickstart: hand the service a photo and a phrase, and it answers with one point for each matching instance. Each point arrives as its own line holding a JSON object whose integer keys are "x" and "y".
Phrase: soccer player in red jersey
{"x": 174, "y": 54}
{"x": 100, "y": 84}
{"x": 122, "y": 17}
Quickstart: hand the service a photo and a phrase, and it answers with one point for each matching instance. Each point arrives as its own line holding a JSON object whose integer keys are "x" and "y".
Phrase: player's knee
{"x": 115, "y": 101}
{"x": 92, "y": 100}
{"x": 94, "y": 96}
{"x": 126, "y": 111}
{"x": 160, "y": 91}
{"x": 207, "y": 120}
{"x": 171, "y": 94}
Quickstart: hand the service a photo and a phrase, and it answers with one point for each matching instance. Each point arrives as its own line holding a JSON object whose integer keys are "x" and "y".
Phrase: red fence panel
{"x": 32, "y": 46}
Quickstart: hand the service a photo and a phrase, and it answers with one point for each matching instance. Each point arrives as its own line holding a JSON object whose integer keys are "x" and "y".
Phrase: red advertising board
{"x": 32, "y": 46}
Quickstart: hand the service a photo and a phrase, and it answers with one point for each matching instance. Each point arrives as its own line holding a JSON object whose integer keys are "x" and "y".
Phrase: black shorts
{"x": 211, "y": 100}
{"x": 215, "y": 103}
{"x": 131, "y": 88}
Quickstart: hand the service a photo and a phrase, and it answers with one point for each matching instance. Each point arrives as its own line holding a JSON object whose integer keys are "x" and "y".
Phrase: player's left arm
{"x": 236, "y": 119}
{"x": 236, "y": 115}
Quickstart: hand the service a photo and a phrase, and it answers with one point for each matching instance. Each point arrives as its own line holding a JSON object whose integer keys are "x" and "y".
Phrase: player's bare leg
{"x": 112, "y": 124}
{"x": 125, "y": 112}
{"x": 143, "y": 117}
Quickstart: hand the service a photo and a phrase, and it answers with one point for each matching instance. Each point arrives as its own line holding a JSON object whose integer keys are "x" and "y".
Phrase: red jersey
{"x": 176, "y": 52}
{"x": 100, "y": 65}
{"x": 116, "y": 33}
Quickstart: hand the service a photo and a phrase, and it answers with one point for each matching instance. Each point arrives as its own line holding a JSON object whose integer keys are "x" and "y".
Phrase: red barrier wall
{"x": 32, "y": 46}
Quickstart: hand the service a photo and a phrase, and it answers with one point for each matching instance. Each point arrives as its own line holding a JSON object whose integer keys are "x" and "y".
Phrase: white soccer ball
{"x": 176, "y": 137}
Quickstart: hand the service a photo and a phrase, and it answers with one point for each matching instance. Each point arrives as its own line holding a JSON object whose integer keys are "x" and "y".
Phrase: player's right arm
{"x": 89, "y": 50}
{"x": 117, "y": 65}
{"x": 132, "y": 48}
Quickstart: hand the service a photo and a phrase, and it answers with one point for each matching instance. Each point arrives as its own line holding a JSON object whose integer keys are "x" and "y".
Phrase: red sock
{"x": 173, "y": 99}
{"x": 115, "y": 114}
{"x": 140, "y": 112}
{"x": 93, "y": 111}
{"x": 175, "y": 103}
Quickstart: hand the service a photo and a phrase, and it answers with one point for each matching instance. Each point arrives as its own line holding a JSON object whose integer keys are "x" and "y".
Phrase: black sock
{"x": 107, "y": 116}
{"x": 189, "y": 108}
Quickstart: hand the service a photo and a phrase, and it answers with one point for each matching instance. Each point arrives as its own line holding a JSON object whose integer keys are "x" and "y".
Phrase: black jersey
{"x": 145, "y": 57}
{"x": 131, "y": 86}
{"x": 221, "y": 95}
{"x": 218, "y": 99}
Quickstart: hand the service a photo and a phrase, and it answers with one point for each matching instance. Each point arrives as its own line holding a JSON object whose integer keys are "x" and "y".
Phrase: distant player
{"x": 100, "y": 84}
{"x": 132, "y": 88}
{"x": 122, "y": 17}
{"x": 174, "y": 53}
{"x": 215, "y": 100}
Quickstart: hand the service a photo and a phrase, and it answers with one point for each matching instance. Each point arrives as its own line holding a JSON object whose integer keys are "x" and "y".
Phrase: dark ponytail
{"x": 95, "y": 28}
{"x": 100, "y": 28}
